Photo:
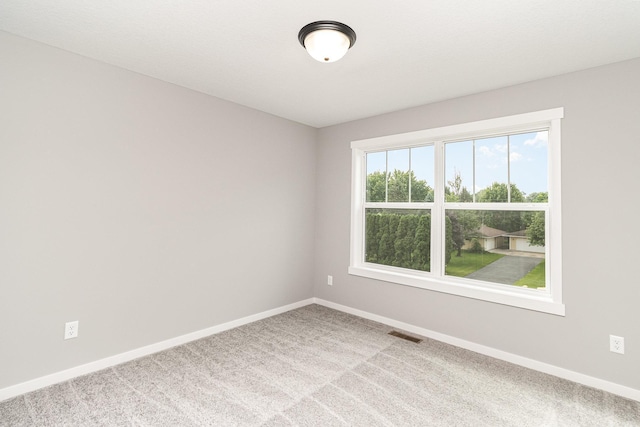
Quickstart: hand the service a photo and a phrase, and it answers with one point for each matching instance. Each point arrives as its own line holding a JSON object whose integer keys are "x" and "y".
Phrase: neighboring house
{"x": 518, "y": 241}
{"x": 492, "y": 238}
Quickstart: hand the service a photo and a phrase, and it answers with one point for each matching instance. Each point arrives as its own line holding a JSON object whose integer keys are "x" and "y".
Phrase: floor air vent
{"x": 405, "y": 336}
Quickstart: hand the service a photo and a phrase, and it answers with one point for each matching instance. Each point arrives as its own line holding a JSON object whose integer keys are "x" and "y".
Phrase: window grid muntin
{"x": 365, "y": 154}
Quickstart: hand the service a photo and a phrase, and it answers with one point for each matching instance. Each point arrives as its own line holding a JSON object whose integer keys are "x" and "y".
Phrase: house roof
{"x": 521, "y": 233}
{"x": 490, "y": 232}
{"x": 407, "y": 53}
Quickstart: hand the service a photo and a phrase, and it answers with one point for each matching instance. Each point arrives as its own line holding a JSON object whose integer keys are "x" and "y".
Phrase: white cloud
{"x": 501, "y": 148}
{"x": 540, "y": 139}
{"x": 514, "y": 157}
{"x": 484, "y": 150}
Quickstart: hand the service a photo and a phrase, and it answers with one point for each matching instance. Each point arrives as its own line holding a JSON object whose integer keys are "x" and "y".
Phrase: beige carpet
{"x": 317, "y": 367}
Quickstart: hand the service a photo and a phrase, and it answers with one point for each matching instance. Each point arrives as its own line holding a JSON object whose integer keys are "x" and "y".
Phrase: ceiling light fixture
{"x": 327, "y": 41}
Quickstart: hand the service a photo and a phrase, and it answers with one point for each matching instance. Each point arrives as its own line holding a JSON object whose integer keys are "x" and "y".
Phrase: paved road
{"x": 507, "y": 270}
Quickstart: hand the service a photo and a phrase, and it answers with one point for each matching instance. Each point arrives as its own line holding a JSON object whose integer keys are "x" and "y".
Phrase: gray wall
{"x": 142, "y": 209}
{"x": 600, "y": 173}
{"x": 148, "y": 211}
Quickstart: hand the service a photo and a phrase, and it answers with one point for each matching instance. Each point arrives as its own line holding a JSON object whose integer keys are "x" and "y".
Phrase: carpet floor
{"x": 315, "y": 366}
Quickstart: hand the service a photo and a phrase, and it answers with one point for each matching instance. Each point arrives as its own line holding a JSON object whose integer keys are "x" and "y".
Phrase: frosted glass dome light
{"x": 326, "y": 41}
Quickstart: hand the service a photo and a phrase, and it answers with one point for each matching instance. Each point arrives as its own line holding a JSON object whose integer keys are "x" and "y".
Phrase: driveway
{"x": 507, "y": 270}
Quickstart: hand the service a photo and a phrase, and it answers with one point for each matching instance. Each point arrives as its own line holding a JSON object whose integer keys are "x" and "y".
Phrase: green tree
{"x": 509, "y": 221}
{"x": 386, "y": 245}
{"x": 420, "y": 190}
{"x": 421, "y": 256}
{"x": 405, "y": 236}
{"x": 476, "y": 247}
{"x": 464, "y": 226}
{"x": 536, "y": 230}
{"x": 457, "y": 235}
{"x": 449, "y": 245}
{"x": 542, "y": 197}
{"x": 497, "y": 193}
{"x": 465, "y": 196}
{"x": 456, "y": 192}
{"x": 398, "y": 190}
{"x": 397, "y": 184}
{"x": 376, "y": 186}
{"x": 372, "y": 237}
{"x": 534, "y": 221}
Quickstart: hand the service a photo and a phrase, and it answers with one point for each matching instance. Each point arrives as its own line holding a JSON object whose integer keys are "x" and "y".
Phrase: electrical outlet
{"x": 616, "y": 344}
{"x": 330, "y": 280}
{"x": 71, "y": 329}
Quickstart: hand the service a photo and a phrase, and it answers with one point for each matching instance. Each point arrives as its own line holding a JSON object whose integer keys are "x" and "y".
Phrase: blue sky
{"x": 522, "y": 157}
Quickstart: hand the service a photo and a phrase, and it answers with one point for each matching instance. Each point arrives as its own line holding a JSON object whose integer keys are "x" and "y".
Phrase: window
{"x": 470, "y": 209}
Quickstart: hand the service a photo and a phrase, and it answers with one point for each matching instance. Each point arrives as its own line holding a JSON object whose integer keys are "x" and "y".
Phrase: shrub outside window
{"x": 471, "y": 209}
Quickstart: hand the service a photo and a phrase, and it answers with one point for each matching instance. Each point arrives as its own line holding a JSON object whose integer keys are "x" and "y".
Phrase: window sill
{"x": 501, "y": 294}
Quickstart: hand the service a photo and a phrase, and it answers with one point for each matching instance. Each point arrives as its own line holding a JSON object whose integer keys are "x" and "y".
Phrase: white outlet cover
{"x": 616, "y": 344}
{"x": 71, "y": 329}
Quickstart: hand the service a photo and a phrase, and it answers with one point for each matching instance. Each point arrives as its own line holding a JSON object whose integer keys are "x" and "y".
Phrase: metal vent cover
{"x": 405, "y": 336}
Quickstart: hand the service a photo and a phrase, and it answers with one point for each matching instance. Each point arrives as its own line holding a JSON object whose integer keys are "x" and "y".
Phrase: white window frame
{"x": 548, "y": 300}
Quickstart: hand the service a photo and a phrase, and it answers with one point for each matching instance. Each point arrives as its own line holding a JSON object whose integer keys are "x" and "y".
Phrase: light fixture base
{"x": 327, "y": 41}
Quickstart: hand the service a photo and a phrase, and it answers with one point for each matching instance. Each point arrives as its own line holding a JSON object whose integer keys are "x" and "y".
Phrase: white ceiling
{"x": 407, "y": 53}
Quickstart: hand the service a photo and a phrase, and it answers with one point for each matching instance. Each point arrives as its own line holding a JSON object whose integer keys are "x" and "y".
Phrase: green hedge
{"x": 402, "y": 238}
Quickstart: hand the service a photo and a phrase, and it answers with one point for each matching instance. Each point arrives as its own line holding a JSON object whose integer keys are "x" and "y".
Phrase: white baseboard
{"x": 620, "y": 390}
{"x": 58, "y": 377}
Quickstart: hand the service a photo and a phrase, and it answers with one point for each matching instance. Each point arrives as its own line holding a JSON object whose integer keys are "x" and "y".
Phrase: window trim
{"x": 547, "y": 302}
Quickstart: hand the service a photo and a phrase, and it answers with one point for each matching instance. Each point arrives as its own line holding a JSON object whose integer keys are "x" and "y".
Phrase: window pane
{"x": 528, "y": 165}
{"x": 506, "y": 247}
{"x": 398, "y": 237}
{"x": 398, "y": 165}
{"x": 459, "y": 172}
{"x": 491, "y": 169}
{"x": 376, "y": 174}
{"x": 422, "y": 174}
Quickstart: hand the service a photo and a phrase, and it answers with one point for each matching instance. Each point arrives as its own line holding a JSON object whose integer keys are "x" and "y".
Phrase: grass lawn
{"x": 533, "y": 279}
{"x": 469, "y": 262}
